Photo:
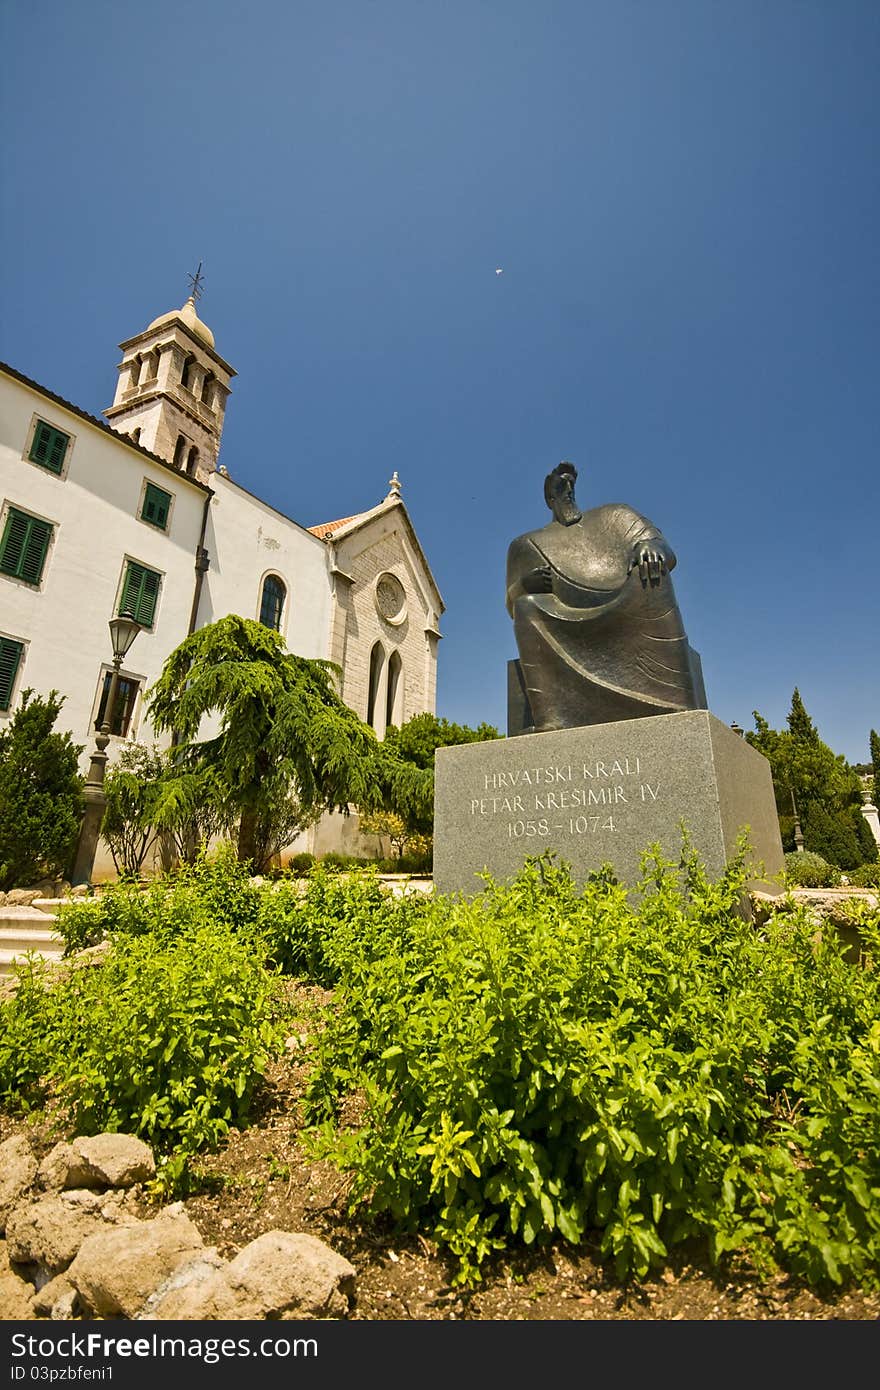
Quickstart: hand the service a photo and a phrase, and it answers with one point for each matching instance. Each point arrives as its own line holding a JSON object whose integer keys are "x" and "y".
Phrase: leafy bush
{"x": 167, "y": 1038}
{"x": 40, "y": 793}
{"x": 302, "y": 931}
{"x": 215, "y": 889}
{"x": 335, "y": 862}
{"x": 25, "y": 1037}
{"x": 301, "y": 863}
{"x": 131, "y": 787}
{"x": 866, "y": 876}
{"x": 808, "y": 870}
{"x": 832, "y": 835}
{"x": 545, "y": 1062}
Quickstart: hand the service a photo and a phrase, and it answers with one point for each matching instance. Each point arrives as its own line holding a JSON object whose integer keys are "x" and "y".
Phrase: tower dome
{"x": 188, "y": 316}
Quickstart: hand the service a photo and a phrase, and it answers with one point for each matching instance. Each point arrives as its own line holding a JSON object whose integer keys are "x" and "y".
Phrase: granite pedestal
{"x": 603, "y": 793}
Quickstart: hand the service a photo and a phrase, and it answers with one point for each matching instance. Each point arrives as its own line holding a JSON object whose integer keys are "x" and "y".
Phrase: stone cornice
{"x": 150, "y": 334}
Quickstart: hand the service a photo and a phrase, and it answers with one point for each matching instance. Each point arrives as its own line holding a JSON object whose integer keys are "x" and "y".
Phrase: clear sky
{"x": 683, "y": 196}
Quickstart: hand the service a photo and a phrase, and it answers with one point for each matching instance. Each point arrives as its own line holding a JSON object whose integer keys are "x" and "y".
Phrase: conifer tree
{"x": 40, "y": 793}
{"x": 874, "y": 743}
{"x": 287, "y": 746}
{"x": 799, "y": 722}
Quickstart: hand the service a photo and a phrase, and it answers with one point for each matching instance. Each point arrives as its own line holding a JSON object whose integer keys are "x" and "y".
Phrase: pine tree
{"x": 831, "y": 835}
{"x": 40, "y": 793}
{"x": 287, "y": 747}
{"x": 874, "y": 743}
{"x": 799, "y": 722}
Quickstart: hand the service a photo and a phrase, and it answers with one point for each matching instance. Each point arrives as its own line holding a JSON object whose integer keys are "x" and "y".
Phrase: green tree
{"x": 832, "y": 836}
{"x": 40, "y": 793}
{"x": 287, "y": 747}
{"x": 800, "y": 725}
{"x": 874, "y": 742}
{"x": 131, "y": 787}
{"x": 865, "y": 837}
{"x": 806, "y": 768}
{"x": 407, "y": 763}
{"x": 418, "y": 739}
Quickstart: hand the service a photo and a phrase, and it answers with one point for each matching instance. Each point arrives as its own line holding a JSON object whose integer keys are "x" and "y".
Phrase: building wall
{"x": 247, "y": 540}
{"x": 94, "y": 510}
{"x": 382, "y": 546}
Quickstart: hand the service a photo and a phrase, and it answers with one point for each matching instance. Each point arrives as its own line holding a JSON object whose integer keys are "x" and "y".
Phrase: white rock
{"x": 104, "y": 1160}
{"x": 278, "y": 1275}
{"x": 115, "y": 1271}
{"x": 18, "y": 1169}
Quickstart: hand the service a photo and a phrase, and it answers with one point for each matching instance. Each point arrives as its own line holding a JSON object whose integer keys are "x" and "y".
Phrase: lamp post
{"x": 798, "y": 833}
{"x": 123, "y": 631}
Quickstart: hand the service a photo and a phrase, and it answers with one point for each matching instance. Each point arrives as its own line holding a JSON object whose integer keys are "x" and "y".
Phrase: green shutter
{"x": 157, "y": 505}
{"x": 24, "y": 545}
{"x": 139, "y": 593}
{"x": 49, "y": 447}
{"x": 10, "y": 656}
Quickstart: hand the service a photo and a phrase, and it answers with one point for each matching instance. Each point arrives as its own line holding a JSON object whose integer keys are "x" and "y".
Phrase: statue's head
{"x": 559, "y": 493}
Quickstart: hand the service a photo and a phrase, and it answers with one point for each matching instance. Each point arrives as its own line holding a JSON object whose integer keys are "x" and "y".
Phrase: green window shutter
{"x": 49, "y": 447}
{"x": 24, "y": 545}
{"x": 10, "y": 656}
{"x": 139, "y": 593}
{"x": 157, "y": 505}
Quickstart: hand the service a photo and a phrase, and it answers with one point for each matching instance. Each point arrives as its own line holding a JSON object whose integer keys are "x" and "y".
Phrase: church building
{"x": 135, "y": 512}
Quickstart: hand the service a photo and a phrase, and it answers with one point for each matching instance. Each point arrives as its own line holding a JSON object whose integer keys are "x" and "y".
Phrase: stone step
{"x": 24, "y": 929}
{"x": 48, "y": 905}
{"x": 26, "y": 938}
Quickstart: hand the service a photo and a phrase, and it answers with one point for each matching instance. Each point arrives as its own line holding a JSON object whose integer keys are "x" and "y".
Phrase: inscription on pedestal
{"x": 602, "y": 793}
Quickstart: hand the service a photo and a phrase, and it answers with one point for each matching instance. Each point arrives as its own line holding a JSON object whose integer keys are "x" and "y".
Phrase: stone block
{"x": 604, "y": 793}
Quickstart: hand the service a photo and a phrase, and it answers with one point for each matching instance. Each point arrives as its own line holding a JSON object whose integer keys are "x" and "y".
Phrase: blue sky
{"x": 685, "y": 201}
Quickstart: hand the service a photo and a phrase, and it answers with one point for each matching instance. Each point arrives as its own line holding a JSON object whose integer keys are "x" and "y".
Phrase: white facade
{"x": 89, "y": 517}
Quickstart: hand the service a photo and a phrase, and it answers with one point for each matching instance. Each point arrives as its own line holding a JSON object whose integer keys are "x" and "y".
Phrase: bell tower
{"x": 172, "y": 390}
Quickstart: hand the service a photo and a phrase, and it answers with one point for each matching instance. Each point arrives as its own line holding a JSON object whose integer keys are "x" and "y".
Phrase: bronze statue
{"x": 598, "y": 629}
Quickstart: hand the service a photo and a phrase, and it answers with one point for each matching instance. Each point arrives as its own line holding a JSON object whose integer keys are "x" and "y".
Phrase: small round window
{"x": 390, "y": 598}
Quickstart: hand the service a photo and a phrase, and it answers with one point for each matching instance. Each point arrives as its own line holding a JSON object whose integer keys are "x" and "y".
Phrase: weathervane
{"x": 196, "y": 282}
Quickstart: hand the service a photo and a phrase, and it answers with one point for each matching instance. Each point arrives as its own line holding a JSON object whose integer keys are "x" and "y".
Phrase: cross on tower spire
{"x": 196, "y": 283}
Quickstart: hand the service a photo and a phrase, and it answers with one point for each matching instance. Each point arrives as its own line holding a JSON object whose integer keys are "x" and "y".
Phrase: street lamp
{"x": 798, "y": 833}
{"x": 123, "y": 630}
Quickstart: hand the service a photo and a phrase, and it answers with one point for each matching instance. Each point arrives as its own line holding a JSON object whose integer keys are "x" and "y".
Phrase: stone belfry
{"x": 172, "y": 390}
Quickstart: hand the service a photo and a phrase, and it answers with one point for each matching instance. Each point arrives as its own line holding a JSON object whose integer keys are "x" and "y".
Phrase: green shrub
{"x": 26, "y": 1041}
{"x": 167, "y": 1038}
{"x": 832, "y": 834}
{"x": 131, "y": 787}
{"x": 40, "y": 794}
{"x": 81, "y": 922}
{"x": 545, "y": 1062}
{"x": 335, "y": 862}
{"x": 809, "y": 870}
{"x": 301, "y": 863}
{"x": 866, "y": 876}
{"x": 303, "y": 931}
{"x": 214, "y": 889}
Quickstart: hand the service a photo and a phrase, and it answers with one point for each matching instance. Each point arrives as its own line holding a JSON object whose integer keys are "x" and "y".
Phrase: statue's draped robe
{"x": 602, "y": 645}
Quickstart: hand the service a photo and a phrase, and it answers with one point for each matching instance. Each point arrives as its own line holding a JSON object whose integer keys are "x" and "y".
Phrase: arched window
{"x": 377, "y": 661}
{"x": 185, "y": 371}
{"x": 136, "y": 434}
{"x": 272, "y": 602}
{"x": 179, "y": 451}
{"x": 208, "y": 390}
{"x": 394, "y": 697}
{"x": 192, "y": 461}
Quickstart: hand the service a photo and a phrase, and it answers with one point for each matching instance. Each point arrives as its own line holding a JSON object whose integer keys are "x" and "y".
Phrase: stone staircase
{"x": 29, "y": 928}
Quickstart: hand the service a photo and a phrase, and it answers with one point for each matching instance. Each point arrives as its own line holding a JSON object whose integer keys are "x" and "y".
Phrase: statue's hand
{"x": 653, "y": 560}
{"x": 539, "y": 581}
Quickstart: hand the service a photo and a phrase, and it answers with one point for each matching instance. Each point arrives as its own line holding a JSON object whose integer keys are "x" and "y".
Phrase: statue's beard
{"x": 566, "y": 512}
